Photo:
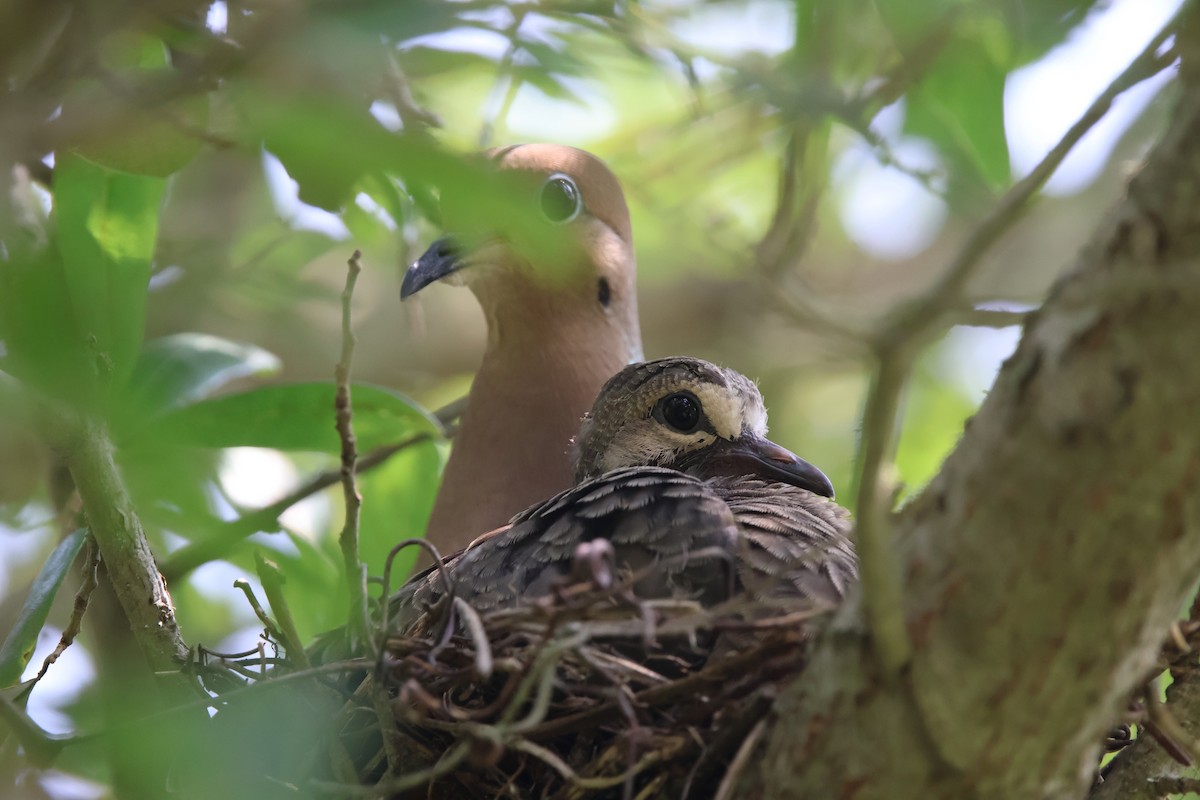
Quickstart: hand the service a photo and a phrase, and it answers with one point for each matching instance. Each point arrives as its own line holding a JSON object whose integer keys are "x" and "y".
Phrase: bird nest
{"x": 589, "y": 692}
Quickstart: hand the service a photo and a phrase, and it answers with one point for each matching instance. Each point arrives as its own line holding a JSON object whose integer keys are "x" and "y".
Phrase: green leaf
{"x": 44, "y": 346}
{"x": 1039, "y": 26}
{"x": 397, "y": 501}
{"x": 273, "y": 249}
{"x": 314, "y": 576}
{"x": 296, "y": 416}
{"x": 934, "y": 415}
{"x": 19, "y": 645}
{"x": 912, "y": 24}
{"x": 959, "y": 106}
{"x": 106, "y": 229}
{"x": 156, "y": 138}
{"x": 154, "y": 142}
{"x": 177, "y": 370}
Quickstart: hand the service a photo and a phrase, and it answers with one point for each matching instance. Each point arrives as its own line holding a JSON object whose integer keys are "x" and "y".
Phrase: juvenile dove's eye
{"x": 561, "y": 201}
{"x": 681, "y": 411}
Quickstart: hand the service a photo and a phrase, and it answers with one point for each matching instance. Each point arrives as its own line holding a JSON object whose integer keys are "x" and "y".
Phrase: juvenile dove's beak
{"x": 441, "y": 259}
{"x": 755, "y": 456}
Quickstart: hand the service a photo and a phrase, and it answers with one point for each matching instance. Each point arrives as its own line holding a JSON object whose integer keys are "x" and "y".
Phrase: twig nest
{"x": 589, "y": 692}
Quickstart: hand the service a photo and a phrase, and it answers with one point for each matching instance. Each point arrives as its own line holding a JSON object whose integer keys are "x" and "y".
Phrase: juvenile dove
{"x": 675, "y": 473}
{"x": 560, "y": 323}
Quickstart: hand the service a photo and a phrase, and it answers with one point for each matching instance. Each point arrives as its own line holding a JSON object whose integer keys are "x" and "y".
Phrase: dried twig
{"x": 269, "y": 624}
{"x": 272, "y": 580}
{"x": 91, "y": 564}
{"x": 740, "y": 760}
{"x": 356, "y": 574}
{"x": 1163, "y": 726}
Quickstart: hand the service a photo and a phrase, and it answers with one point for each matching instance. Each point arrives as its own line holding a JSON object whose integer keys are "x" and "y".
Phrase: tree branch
{"x": 895, "y": 343}
{"x": 1044, "y": 563}
{"x": 87, "y": 451}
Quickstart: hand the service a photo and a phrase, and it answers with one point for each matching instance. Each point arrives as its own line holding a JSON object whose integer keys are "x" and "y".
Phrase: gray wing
{"x": 793, "y": 542}
{"x": 669, "y": 522}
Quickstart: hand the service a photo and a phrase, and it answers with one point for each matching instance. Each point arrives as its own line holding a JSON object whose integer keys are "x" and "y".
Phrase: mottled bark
{"x": 1044, "y": 564}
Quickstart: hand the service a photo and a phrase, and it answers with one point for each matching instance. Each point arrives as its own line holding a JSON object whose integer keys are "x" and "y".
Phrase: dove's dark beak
{"x": 758, "y": 457}
{"x": 443, "y": 258}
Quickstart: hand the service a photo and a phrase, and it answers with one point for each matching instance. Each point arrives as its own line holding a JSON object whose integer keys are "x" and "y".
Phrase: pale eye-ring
{"x": 560, "y": 199}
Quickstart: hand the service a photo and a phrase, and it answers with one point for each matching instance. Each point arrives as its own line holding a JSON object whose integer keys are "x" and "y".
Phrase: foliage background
{"x": 232, "y": 156}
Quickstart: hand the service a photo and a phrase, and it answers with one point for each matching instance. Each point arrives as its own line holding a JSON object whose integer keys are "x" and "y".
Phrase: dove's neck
{"x": 539, "y": 376}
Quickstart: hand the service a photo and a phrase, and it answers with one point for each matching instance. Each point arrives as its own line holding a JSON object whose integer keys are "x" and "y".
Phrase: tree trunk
{"x": 1044, "y": 564}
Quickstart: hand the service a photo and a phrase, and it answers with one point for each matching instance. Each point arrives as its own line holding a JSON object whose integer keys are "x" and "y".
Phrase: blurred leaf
{"x": 296, "y": 416}
{"x": 23, "y": 456}
{"x": 155, "y": 141}
{"x": 1039, "y": 25}
{"x": 145, "y": 139}
{"x": 176, "y": 499}
{"x": 325, "y": 145}
{"x": 274, "y": 249}
{"x": 366, "y": 228}
{"x": 550, "y": 85}
{"x": 935, "y": 411}
{"x": 554, "y": 60}
{"x": 959, "y": 106}
{"x": 106, "y": 228}
{"x": 385, "y": 191}
{"x": 420, "y": 61}
{"x": 19, "y": 645}
{"x": 912, "y": 23}
{"x": 328, "y": 146}
{"x": 44, "y": 347}
{"x": 176, "y": 370}
{"x": 316, "y": 589}
{"x": 396, "y": 21}
{"x": 397, "y": 501}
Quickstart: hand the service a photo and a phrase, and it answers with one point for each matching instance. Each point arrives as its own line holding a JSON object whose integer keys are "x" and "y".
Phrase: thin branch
{"x": 915, "y": 317}
{"x": 743, "y": 756}
{"x": 79, "y": 608}
{"x": 266, "y": 519}
{"x": 1162, "y": 718}
{"x": 272, "y": 629}
{"x": 879, "y": 570}
{"x": 356, "y": 576}
{"x": 452, "y": 758}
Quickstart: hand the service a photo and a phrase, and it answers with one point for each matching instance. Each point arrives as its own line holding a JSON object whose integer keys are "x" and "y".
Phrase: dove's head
{"x": 689, "y": 415}
{"x": 549, "y": 238}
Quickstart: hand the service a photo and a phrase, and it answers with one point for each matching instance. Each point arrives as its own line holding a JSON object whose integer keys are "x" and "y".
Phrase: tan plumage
{"x": 561, "y": 320}
{"x": 713, "y": 507}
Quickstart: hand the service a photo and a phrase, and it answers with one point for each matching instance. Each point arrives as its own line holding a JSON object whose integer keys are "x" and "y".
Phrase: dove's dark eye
{"x": 681, "y": 411}
{"x": 561, "y": 201}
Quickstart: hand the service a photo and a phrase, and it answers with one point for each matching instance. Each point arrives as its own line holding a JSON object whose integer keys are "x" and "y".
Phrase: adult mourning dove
{"x": 560, "y": 322}
{"x": 675, "y": 473}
